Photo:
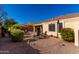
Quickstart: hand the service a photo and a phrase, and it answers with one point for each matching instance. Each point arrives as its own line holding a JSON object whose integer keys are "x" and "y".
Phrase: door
{"x": 38, "y": 29}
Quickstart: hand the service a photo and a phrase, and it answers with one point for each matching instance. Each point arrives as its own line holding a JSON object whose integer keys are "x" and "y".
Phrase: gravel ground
{"x": 9, "y": 47}
{"x": 55, "y": 46}
{"x": 42, "y": 46}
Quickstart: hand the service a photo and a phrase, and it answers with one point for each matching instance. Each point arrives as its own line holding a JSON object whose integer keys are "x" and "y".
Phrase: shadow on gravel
{"x": 9, "y": 47}
{"x": 31, "y": 50}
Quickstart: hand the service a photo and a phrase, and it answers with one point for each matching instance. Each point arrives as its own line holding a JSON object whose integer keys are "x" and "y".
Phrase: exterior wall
{"x": 67, "y": 23}
{"x": 71, "y": 23}
{"x": 74, "y": 24}
{"x": 46, "y": 28}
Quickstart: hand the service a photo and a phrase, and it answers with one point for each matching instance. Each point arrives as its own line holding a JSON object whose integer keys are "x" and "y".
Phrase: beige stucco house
{"x": 53, "y": 26}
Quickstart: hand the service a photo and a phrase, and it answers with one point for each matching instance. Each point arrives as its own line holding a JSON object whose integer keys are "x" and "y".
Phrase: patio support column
{"x": 57, "y": 28}
{"x": 76, "y": 38}
{"x": 33, "y": 28}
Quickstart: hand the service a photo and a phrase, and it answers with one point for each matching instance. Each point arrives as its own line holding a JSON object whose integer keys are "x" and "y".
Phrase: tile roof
{"x": 62, "y": 17}
{"x": 57, "y": 18}
{"x": 31, "y": 23}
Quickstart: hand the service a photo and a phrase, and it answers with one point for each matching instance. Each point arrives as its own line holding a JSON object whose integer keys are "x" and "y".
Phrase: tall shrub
{"x": 17, "y": 35}
{"x": 67, "y": 34}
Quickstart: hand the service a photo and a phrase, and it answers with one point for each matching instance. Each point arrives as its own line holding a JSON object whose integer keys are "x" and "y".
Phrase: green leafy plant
{"x": 17, "y": 35}
{"x": 0, "y": 23}
{"x": 67, "y": 34}
{"x": 8, "y": 23}
{"x": 17, "y": 26}
{"x": 45, "y": 32}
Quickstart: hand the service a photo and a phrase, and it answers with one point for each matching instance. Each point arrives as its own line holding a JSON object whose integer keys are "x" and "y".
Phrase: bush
{"x": 0, "y": 23}
{"x": 17, "y": 26}
{"x": 67, "y": 34}
{"x": 17, "y": 35}
{"x": 45, "y": 32}
{"x": 11, "y": 28}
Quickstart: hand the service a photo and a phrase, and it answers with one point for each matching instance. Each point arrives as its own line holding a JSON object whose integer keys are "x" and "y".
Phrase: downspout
{"x": 57, "y": 28}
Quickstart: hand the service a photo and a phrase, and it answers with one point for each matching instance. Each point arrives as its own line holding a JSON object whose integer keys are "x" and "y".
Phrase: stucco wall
{"x": 74, "y": 24}
{"x": 70, "y": 23}
{"x": 46, "y": 28}
{"x": 67, "y": 23}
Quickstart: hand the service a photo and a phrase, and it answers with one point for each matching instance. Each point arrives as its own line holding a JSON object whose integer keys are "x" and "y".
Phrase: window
{"x": 60, "y": 26}
{"x": 51, "y": 27}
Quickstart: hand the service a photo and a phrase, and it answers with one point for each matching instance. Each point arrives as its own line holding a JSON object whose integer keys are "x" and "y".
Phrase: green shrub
{"x": 45, "y": 32}
{"x": 0, "y": 23}
{"x": 17, "y": 35}
{"x": 67, "y": 34}
{"x": 17, "y": 26}
{"x": 11, "y": 28}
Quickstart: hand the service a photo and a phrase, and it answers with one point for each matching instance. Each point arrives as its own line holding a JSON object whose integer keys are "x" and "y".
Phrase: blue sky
{"x": 24, "y": 13}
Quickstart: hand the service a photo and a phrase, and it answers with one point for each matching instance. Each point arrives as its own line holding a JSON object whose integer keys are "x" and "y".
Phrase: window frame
{"x": 51, "y": 26}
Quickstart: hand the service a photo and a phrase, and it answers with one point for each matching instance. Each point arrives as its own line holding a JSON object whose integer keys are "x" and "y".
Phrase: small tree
{"x": 9, "y": 23}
